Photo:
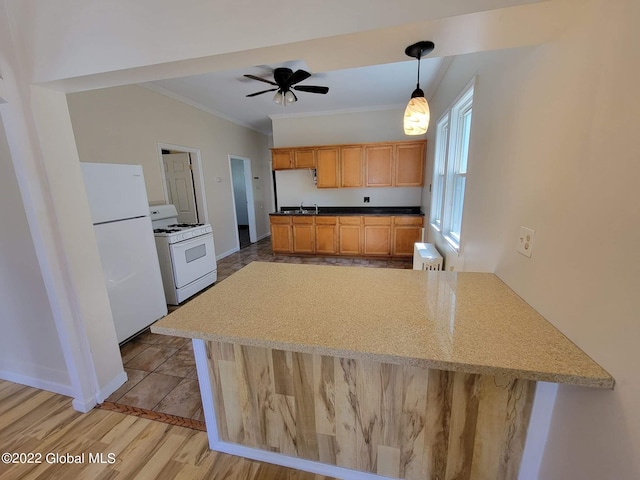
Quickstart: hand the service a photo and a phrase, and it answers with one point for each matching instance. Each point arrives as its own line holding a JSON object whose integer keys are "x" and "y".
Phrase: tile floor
{"x": 161, "y": 369}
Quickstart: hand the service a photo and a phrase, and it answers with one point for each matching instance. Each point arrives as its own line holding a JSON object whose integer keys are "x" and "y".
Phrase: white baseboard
{"x": 268, "y": 234}
{"x": 34, "y": 382}
{"x": 293, "y": 462}
{"x": 227, "y": 253}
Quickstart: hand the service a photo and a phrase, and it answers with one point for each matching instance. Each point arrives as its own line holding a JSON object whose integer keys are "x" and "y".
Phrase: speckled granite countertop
{"x": 470, "y": 322}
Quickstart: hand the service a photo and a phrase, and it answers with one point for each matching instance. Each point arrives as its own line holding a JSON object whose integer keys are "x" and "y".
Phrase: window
{"x": 453, "y": 131}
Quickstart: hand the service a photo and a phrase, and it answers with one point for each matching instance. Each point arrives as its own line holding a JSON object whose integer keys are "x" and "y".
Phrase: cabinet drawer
{"x": 286, "y": 219}
{"x": 326, "y": 220}
{"x": 304, "y": 220}
{"x": 354, "y": 220}
{"x": 408, "y": 220}
{"x": 377, "y": 220}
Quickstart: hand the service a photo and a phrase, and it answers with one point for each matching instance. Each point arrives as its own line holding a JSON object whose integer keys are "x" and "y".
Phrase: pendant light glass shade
{"x": 416, "y": 116}
{"x": 278, "y": 97}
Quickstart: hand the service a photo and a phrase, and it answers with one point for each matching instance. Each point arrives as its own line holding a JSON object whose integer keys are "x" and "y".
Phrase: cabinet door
{"x": 327, "y": 168}
{"x": 378, "y": 165}
{"x": 281, "y": 235}
{"x": 303, "y": 234}
{"x": 304, "y": 158}
{"x": 377, "y": 236}
{"x": 327, "y": 235}
{"x": 409, "y": 165}
{"x": 351, "y": 166}
{"x": 406, "y": 232}
{"x": 349, "y": 234}
{"x": 281, "y": 159}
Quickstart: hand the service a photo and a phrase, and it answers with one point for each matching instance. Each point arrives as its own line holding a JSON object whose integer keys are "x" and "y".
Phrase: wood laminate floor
{"x": 44, "y": 426}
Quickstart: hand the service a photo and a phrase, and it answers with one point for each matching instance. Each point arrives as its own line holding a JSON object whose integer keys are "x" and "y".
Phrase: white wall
{"x": 239, "y": 191}
{"x": 295, "y": 186}
{"x": 125, "y": 125}
{"x": 555, "y": 147}
{"x": 47, "y": 171}
{"x": 30, "y": 351}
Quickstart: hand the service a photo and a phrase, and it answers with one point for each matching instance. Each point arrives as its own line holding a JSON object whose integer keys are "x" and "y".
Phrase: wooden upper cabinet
{"x": 351, "y": 166}
{"x": 281, "y": 158}
{"x": 328, "y": 167}
{"x": 390, "y": 164}
{"x": 304, "y": 158}
{"x": 378, "y": 165}
{"x": 409, "y": 164}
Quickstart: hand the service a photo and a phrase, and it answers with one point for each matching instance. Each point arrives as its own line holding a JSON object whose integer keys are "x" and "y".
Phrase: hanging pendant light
{"x": 416, "y": 115}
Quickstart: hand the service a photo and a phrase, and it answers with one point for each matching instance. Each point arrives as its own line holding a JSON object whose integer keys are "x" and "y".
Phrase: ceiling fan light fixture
{"x": 417, "y": 114}
{"x": 278, "y": 97}
{"x": 289, "y": 97}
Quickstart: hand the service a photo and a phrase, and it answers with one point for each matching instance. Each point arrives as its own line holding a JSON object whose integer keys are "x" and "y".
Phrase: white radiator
{"x": 426, "y": 257}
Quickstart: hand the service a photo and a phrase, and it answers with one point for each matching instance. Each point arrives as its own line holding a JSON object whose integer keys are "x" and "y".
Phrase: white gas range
{"x": 186, "y": 253}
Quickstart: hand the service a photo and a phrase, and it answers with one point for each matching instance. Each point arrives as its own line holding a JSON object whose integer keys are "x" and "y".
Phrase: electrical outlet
{"x": 366, "y": 199}
{"x": 525, "y": 241}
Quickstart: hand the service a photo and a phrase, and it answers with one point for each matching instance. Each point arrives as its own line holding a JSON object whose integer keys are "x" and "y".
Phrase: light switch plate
{"x": 525, "y": 241}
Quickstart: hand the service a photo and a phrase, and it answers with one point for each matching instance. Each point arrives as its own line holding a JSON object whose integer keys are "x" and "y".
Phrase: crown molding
{"x": 336, "y": 112}
{"x": 167, "y": 93}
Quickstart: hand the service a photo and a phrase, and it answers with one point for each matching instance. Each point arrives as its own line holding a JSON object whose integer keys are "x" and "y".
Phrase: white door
{"x": 177, "y": 172}
{"x": 132, "y": 274}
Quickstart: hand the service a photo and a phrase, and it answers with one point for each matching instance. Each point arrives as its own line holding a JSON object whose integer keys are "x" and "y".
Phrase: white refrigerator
{"x": 120, "y": 215}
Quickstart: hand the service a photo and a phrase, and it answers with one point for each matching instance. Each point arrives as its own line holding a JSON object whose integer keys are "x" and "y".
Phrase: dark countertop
{"x": 310, "y": 210}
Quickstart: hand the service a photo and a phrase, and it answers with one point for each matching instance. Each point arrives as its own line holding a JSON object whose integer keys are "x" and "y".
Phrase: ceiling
{"x": 224, "y": 93}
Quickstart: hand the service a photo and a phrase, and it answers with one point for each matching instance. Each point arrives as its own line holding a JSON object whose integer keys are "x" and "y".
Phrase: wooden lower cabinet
{"x": 377, "y": 236}
{"x": 353, "y": 235}
{"x": 303, "y": 233}
{"x": 281, "y": 234}
{"x": 349, "y": 235}
{"x": 326, "y": 235}
{"x": 406, "y": 231}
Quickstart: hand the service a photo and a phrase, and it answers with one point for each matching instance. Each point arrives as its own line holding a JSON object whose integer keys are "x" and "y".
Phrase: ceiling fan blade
{"x": 311, "y": 89}
{"x": 298, "y": 76}
{"x": 263, "y": 91}
{"x": 253, "y": 77}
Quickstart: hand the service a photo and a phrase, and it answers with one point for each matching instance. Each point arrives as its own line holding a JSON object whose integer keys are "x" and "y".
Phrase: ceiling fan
{"x": 285, "y": 79}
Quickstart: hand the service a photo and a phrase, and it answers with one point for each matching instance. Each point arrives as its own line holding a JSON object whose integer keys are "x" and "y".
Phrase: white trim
{"x": 206, "y": 392}
{"x": 192, "y": 103}
{"x": 112, "y": 386}
{"x": 55, "y": 387}
{"x": 293, "y": 462}
{"x": 227, "y": 253}
{"x": 268, "y": 234}
{"x": 251, "y": 207}
{"x": 198, "y": 177}
{"x": 538, "y": 431}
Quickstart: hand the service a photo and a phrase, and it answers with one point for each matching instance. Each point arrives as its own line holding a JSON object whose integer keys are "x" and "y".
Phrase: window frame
{"x": 451, "y": 156}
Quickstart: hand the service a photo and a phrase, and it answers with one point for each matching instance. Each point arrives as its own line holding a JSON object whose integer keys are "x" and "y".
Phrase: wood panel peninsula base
{"x": 362, "y": 373}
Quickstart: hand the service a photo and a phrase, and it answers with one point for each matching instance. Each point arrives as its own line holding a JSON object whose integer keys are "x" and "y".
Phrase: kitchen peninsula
{"x": 364, "y": 373}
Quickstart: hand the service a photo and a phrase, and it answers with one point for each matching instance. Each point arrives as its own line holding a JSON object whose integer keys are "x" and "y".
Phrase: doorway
{"x": 183, "y": 182}
{"x": 244, "y": 209}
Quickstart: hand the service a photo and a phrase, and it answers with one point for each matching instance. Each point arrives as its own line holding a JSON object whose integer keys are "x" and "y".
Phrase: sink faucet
{"x": 301, "y": 207}
{"x": 316, "y": 205}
